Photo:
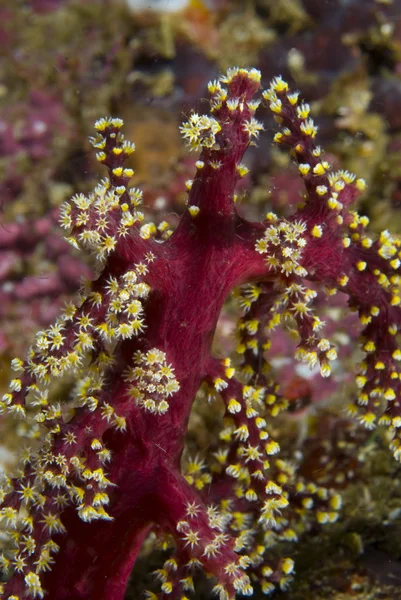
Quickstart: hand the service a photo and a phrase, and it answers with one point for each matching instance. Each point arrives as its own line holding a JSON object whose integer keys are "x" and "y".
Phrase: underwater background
{"x": 66, "y": 63}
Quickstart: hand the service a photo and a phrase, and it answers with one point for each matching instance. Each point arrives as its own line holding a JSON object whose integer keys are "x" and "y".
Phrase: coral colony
{"x": 100, "y": 472}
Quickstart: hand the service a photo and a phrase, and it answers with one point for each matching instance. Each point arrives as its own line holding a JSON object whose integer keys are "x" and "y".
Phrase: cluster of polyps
{"x": 137, "y": 343}
{"x": 152, "y": 380}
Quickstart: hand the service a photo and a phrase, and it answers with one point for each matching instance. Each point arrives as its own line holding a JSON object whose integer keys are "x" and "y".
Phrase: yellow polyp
{"x": 102, "y": 124}
{"x": 322, "y": 517}
{"x": 260, "y": 422}
{"x": 234, "y": 406}
{"x": 395, "y": 422}
{"x": 366, "y": 242}
{"x": 118, "y": 171}
{"x": 368, "y": 420}
{"x": 242, "y": 433}
{"x": 317, "y": 231}
{"x": 331, "y": 354}
{"x": 276, "y": 106}
{"x": 338, "y": 186}
{"x": 387, "y": 250}
{"x": 251, "y": 495}
{"x": 220, "y": 384}
{"x": 389, "y": 394}
{"x": 279, "y": 85}
{"x": 369, "y": 346}
{"x": 383, "y": 280}
{"x": 229, "y": 372}
{"x": 303, "y": 111}
{"x": 308, "y": 128}
{"x": 272, "y": 448}
{"x": 336, "y": 502}
{"x": 304, "y": 168}
{"x": 167, "y": 587}
{"x": 252, "y": 345}
{"x": 319, "y": 169}
{"x": 325, "y": 370}
{"x": 361, "y": 265}
{"x": 193, "y": 210}
{"x": 242, "y": 170}
{"x": 147, "y": 231}
{"x": 361, "y": 381}
{"x": 247, "y": 371}
{"x": 363, "y": 399}
{"x": 287, "y": 566}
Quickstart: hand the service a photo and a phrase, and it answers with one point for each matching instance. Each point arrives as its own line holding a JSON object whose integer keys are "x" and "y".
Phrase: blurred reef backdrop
{"x": 66, "y": 63}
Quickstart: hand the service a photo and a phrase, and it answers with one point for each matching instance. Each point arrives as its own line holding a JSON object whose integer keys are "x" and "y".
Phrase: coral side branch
{"x": 100, "y": 222}
{"x": 223, "y": 137}
{"x": 102, "y": 469}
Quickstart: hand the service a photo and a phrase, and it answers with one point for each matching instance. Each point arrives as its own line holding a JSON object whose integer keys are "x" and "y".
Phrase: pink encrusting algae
{"x": 99, "y": 472}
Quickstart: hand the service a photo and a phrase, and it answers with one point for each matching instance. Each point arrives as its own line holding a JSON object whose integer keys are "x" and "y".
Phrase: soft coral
{"x": 138, "y": 343}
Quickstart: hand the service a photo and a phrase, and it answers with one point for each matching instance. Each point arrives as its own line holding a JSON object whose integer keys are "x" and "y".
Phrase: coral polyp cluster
{"x": 102, "y": 470}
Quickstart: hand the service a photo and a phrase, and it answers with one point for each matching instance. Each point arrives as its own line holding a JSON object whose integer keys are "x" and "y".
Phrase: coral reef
{"x": 138, "y": 345}
{"x": 67, "y": 63}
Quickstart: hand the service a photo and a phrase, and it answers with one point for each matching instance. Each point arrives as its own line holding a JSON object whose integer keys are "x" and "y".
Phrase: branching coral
{"x": 100, "y": 473}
